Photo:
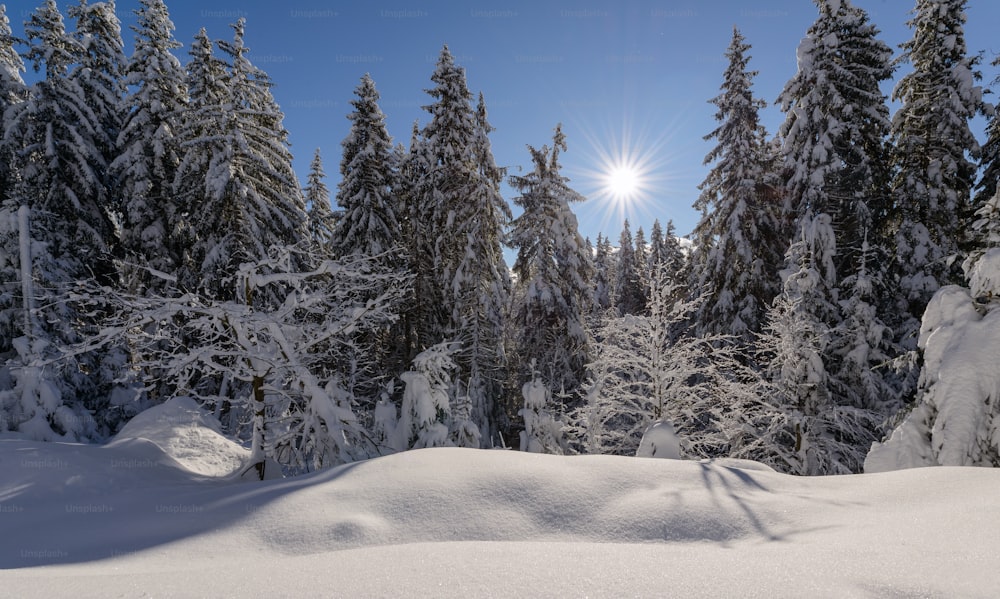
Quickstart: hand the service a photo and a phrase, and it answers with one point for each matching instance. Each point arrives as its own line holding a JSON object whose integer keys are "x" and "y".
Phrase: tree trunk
{"x": 257, "y": 447}
{"x": 27, "y": 288}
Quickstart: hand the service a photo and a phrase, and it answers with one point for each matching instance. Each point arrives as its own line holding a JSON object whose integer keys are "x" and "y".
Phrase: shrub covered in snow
{"x": 955, "y": 421}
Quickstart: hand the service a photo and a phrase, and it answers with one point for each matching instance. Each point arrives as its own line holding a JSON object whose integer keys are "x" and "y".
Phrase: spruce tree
{"x": 482, "y": 285}
{"x": 201, "y": 130}
{"x": 53, "y": 138}
{"x": 657, "y": 247}
{"x": 322, "y": 220}
{"x": 861, "y": 345}
{"x": 628, "y": 287}
{"x": 421, "y": 319}
{"x": 933, "y": 152}
{"x": 602, "y": 295}
{"x": 836, "y": 122}
{"x": 797, "y": 339}
{"x": 553, "y": 274}
{"x": 461, "y": 216}
{"x": 149, "y": 149}
{"x": 369, "y": 226}
{"x": 989, "y": 163}
{"x": 642, "y": 272}
{"x": 12, "y": 91}
{"x": 236, "y": 175}
{"x": 100, "y": 72}
{"x": 738, "y": 235}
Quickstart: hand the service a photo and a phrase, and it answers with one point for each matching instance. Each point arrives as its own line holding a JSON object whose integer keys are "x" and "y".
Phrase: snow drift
{"x": 955, "y": 420}
{"x": 138, "y": 518}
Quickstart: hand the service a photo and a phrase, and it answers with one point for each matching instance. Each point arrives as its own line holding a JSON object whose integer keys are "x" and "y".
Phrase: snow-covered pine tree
{"x": 148, "y": 150}
{"x": 667, "y": 257}
{"x": 369, "y": 226}
{"x": 642, "y": 272}
{"x": 829, "y": 434}
{"x": 657, "y": 249}
{"x": 833, "y": 140}
{"x": 53, "y": 138}
{"x": 447, "y": 172}
{"x": 796, "y": 338}
{"x": 933, "y": 151}
{"x": 483, "y": 287}
{"x": 834, "y": 147}
{"x": 629, "y": 293}
{"x": 236, "y": 173}
{"x": 100, "y": 73}
{"x": 12, "y": 91}
{"x": 989, "y": 162}
{"x": 739, "y": 245}
{"x": 861, "y": 345}
{"x": 553, "y": 273}
{"x": 322, "y": 220}
{"x": 201, "y": 129}
{"x": 836, "y": 122}
{"x": 602, "y": 276}
{"x": 665, "y": 250}
{"x": 420, "y": 322}
{"x": 462, "y": 217}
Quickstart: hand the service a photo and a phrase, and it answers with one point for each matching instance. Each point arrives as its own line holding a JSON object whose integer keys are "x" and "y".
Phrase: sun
{"x": 626, "y": 172}
{"x": 623, "y": 182}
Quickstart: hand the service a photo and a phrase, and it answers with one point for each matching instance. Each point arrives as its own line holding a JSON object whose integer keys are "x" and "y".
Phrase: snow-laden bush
{"x": 956, "y": 421}
{"x": 426, "y": 412}
{"x": 275, "y": 369}
{"x": 542, "y": 431}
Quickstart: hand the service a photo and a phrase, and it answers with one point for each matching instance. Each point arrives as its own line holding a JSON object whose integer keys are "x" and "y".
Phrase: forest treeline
{"x": 156, "y": 242}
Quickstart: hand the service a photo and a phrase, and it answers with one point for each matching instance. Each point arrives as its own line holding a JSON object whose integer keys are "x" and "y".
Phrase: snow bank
{"x": 455, "y": 522}
{"x": 660, "y": 441}
{"x": 186, "y": 434}
{"x": 954, "y": 422}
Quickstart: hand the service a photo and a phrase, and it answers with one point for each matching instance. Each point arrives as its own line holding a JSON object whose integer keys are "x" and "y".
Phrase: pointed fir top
{"x": 153, "y": 22}
{"x": 558, "y": 143}
{"x": 445, "y": 58}
{"x": 365, "y": 91}
{"x": 449, "y": 77}
{"x": 315, "y": 187}
{"x": 11, "y": 65}
{"x": 54, "y": 48}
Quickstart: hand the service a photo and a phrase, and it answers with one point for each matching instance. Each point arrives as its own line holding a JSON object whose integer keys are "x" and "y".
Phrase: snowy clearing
{"x": 139, "y": 517}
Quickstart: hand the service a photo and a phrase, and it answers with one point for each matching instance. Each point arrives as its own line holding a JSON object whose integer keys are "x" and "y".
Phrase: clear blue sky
{"x": 617, "y": 73}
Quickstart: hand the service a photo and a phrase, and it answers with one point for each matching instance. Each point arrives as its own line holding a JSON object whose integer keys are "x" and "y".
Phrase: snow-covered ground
{"x": 159, "y": 513}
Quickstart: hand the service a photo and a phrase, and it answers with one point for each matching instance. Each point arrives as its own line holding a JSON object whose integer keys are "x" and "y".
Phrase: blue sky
{"x": 624, "y": 77}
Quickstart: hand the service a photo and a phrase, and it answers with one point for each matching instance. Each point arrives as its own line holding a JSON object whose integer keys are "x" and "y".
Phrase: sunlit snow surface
{"x": 146, "y": 516}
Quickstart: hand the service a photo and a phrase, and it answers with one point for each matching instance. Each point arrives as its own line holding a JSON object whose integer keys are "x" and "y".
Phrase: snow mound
{"x": 455, "y": 522}
{"x": 659, "y": 441}
{"x": 188, "y": 435}
{"x": 984, "y": 275}
{"x": 450, "y": 494}
{"x": 954, "y": 422}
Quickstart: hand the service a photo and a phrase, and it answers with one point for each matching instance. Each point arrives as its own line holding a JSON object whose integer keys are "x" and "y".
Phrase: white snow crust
{"x": 141, "y": 517}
